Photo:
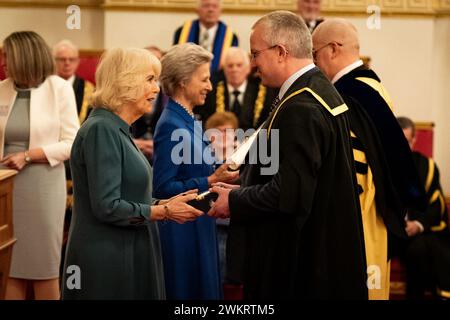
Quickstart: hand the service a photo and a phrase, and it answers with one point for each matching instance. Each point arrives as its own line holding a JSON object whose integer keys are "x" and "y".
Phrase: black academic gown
{"x": 297, "y": 234}
{"x": 427, "y": 255}
{"x": 387, "y": 151}
{"x": 246, "y": 116}
{"x": 396, "y": 148}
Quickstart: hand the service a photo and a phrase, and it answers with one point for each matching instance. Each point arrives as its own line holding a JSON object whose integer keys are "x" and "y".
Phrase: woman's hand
{"x": 179, "y": 211}
{"x": 15, "y": 161}
{"x": 166, "y": 201}
{"x": 222, "y": 174}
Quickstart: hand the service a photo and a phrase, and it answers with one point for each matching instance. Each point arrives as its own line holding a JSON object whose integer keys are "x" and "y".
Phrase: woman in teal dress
{"x": 113, "y": 249}
{"x": 190, "y": 251}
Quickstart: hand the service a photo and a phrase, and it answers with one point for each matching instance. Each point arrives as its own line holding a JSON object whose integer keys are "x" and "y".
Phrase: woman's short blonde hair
{"x": 179, "y": 63}
{"x": 121, "y": 75}
{"x": 29, "y": 59}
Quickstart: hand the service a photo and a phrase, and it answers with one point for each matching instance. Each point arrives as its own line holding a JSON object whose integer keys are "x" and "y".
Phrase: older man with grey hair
{"x": 67, "y": 60}
{"x": 296, "y": 234}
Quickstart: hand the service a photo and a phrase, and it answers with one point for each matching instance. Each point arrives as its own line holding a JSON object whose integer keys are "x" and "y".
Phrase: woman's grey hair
{"x": 288, "y": 29}
{"x": 179, "y": 63}
{"x": 121, "y": 76}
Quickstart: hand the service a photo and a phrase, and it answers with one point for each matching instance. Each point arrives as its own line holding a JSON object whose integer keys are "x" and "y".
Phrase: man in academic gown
{"x": 67, "y": 61}
{"x": 387, "y": 180}
{"x": 299, "y": 227}
{"x": 427, "y": 251}
{"x": 239, "y": 92}
{"x": 208, "y": 31}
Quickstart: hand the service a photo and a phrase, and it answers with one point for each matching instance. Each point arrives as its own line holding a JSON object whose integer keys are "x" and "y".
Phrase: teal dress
{"x": 113, "y": 250}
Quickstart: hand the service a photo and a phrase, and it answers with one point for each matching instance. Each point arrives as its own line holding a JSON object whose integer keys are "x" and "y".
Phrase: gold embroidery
{"x": 220, "y": 97}
{"x": 259, "y": 104}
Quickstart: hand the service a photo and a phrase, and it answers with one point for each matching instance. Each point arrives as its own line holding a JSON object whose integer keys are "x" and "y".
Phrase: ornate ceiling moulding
{"x": 329, "y": 7}
{"x": 52, "y": 3}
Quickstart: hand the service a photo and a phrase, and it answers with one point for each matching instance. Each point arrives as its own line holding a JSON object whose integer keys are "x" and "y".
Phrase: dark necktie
{"x": 236, "y": 105}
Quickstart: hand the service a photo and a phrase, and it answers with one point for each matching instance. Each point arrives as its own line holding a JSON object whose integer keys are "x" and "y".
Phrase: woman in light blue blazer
{"x": 183, "y": 161}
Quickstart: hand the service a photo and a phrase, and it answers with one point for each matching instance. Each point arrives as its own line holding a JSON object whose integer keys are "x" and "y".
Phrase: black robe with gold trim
{"x": 391, "y": 138}
{"x": 380, "y": 137}
{"x": 83, "y": 90}
{"x": 297, "y": 234}
{"x": 427, "y": 255}
{"x": 435, "y": 217}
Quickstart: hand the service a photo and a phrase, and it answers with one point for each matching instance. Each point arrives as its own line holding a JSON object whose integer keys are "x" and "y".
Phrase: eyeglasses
{"x": 71, "y": 60}
{"x": 314, "y": 51}
{"x": 254, "y": 54}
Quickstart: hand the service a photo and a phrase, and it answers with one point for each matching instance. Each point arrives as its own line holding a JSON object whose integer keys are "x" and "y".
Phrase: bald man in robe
{"x": 387, "y": 181}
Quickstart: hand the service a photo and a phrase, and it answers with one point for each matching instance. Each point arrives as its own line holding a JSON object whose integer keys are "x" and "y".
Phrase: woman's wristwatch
{"x": 27, "y": 157}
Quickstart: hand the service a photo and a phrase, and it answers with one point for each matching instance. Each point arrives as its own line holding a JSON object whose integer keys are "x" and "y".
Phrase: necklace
{"x": 185, "y": 108}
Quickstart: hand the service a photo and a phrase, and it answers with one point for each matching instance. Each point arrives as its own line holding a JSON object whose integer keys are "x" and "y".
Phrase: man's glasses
{"x": 314, "y": 51}
{"x": 255, "y": 53}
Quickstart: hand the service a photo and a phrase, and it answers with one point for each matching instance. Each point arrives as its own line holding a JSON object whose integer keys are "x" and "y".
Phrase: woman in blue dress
{"x": 183, "y": 161}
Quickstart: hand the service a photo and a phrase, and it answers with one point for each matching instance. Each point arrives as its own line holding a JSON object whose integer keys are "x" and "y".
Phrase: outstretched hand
{"x": 180, "y": 211}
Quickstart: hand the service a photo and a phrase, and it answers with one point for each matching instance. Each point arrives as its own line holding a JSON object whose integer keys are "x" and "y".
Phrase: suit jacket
{"x": 377, "y": 131}
{"x": 297, "y": 233}
{"x": 189, "y": 250}
{"x": 247, "y": 117}
{"x": 53, "y": 117}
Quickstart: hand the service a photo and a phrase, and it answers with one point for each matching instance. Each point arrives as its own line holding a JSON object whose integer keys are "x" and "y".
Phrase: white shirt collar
{"x": 288, "y": 83}
{"x": 241, "y": 90}
{"x": 71, "y": 80}
{"x": 346, "y": 70}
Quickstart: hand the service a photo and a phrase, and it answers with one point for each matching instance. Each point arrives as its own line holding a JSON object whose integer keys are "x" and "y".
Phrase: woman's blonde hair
{"x": 121, "y": 75}
{"x": 179, "y": 63}
{"x": 29, "y": 59}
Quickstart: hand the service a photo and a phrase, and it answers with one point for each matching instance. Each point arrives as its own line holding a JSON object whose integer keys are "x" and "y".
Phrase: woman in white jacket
{"x": 38, "y": 123}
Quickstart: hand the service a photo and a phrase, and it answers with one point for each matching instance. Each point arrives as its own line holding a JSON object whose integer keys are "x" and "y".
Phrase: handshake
{"x": 190, "y": 205}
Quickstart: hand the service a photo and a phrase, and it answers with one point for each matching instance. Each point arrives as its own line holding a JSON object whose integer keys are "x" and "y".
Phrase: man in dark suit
{"x": 295, "y": 233}
{"x": 387, "y": 181}
{"x": 208, "y": 31}
{"x": 241, "y": 93}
